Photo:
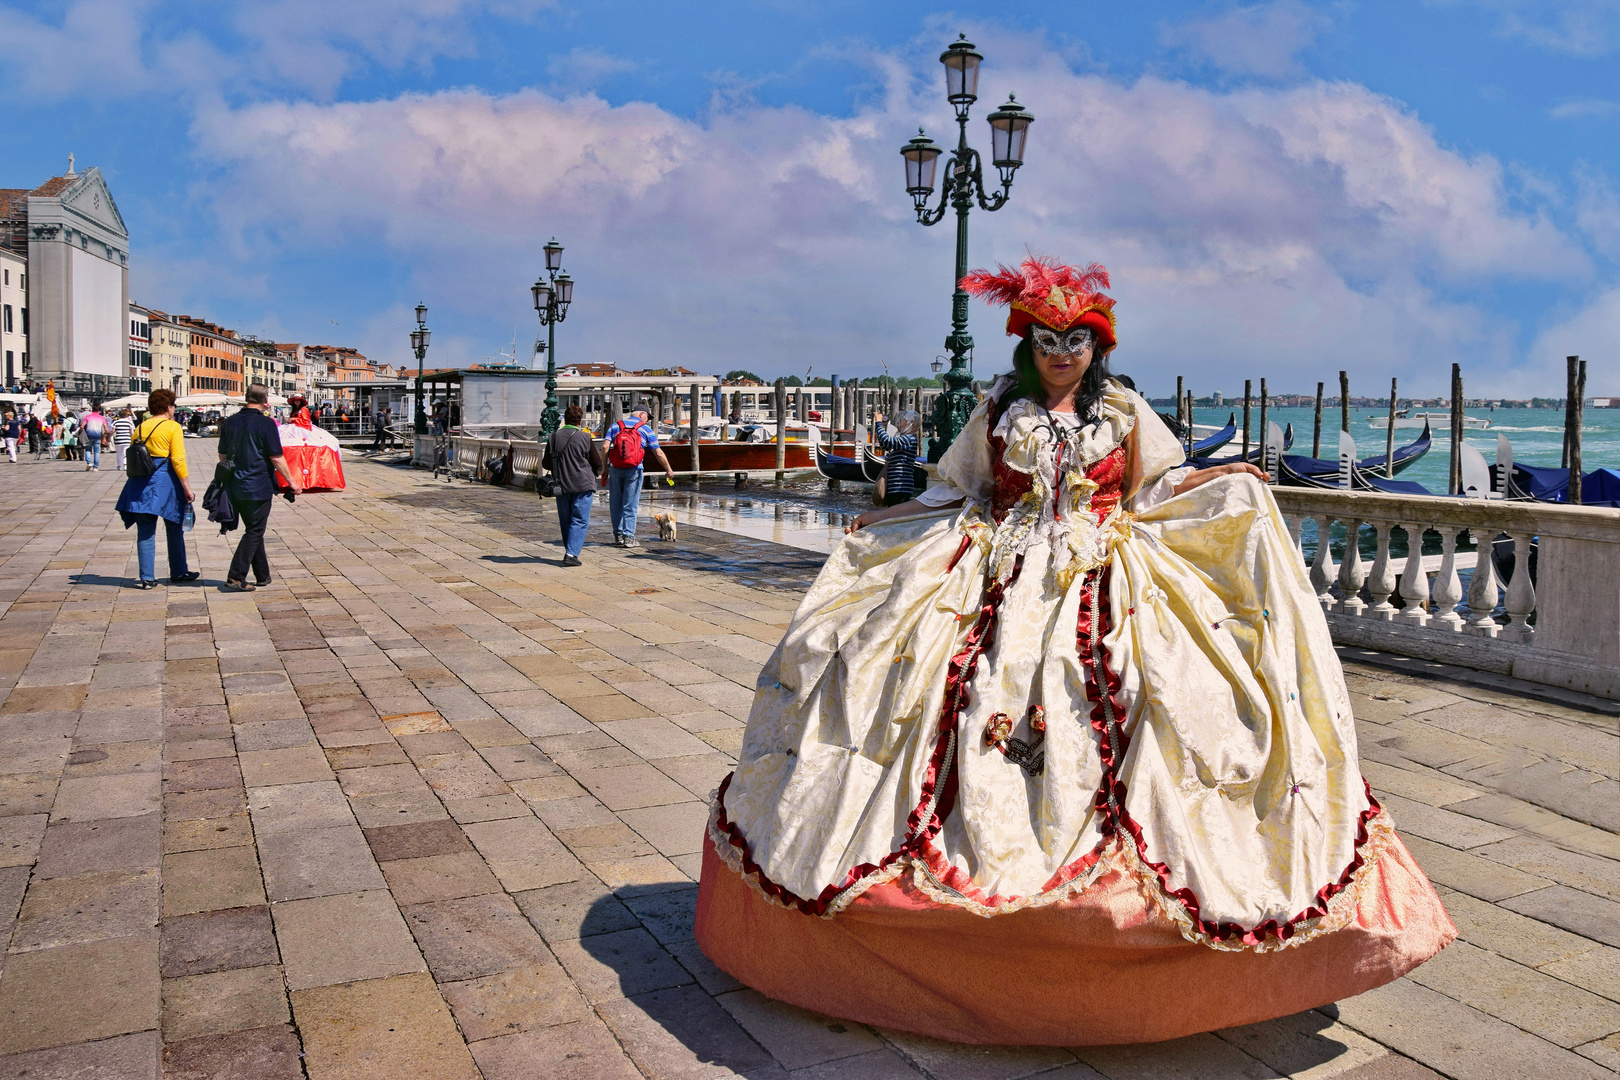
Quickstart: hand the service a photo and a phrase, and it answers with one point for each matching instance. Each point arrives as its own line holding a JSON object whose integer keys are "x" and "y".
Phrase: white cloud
{"x": 1592, "y": 332}
{"x": 1597, "y": 210}
{"x": 1574, "y": 110}
{"x": 1261, "y": 39}
{"x": 1248, "y": 231}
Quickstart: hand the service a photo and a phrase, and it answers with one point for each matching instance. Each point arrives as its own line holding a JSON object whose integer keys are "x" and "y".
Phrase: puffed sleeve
{"x": 1157, "y": 460}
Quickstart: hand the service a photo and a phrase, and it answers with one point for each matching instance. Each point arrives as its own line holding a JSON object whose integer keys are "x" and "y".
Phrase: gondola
{"x": 875, "y": 466}
{"x": 1600, "y": 487}
{"x": 1257, "y": 452}
{"x": 1297, "y": 470}
{"x": 1209, "y": 443}
{"x": 836, "y": 467}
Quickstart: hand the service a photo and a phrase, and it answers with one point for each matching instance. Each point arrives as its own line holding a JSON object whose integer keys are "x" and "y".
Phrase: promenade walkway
{"x": 430, "y": 807}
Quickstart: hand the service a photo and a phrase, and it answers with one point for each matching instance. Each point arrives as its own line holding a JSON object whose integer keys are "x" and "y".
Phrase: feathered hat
{"x": 1044, "y": 291}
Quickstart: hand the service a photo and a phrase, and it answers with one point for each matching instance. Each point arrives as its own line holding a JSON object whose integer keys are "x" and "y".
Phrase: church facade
{"x": 76, "y": 249}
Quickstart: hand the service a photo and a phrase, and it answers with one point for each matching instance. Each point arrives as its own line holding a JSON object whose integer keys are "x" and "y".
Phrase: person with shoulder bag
{"x": 572, "y": 458}
{"x": 157, "y": 487}
{"x": 250, "y": 445}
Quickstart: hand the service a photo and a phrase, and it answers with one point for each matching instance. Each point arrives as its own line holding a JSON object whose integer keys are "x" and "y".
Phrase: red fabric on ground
{"x": 1104, "y": 967}
{"x": 319, "y": 467}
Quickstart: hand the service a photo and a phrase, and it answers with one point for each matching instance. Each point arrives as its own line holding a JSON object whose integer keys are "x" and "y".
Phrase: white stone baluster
{"x": 1482, "y": 590}
{"x": 1381, "y": 582}
{"x": 1296, "y": 534}
{"x": 1352, "y": 571}
{"x": 1521, "y": 594}
{"x": 1414, "y": 582}
{"x": 1447, "y": 585}
{"x": 1322, "y": 565}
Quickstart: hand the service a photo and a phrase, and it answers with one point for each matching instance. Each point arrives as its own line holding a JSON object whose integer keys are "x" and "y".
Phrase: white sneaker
{"x": 87, "y": 468}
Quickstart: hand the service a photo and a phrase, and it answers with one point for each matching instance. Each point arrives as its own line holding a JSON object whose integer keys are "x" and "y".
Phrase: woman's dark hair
{"x": 573, "y": 414}
{"x": 1027, "y": 379}
{"x": 159, "y": 401}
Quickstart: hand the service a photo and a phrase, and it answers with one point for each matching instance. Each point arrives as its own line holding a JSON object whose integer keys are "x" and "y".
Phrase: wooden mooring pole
{"x": 1264, "y": 430}
{"x": 1344, "y": 401}
{"x": 1455, "y": 484}
{"x": 1577, "y": 410}
{"x": 1389, "y": 436}
{"x": 1248, "y": 393}
{"x": 1189, "y": 423}
{"x": 1316, "y": 428}
{"x": 781, "y": 431}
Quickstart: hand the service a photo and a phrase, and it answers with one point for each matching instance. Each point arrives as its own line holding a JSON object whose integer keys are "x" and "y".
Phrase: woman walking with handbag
{"x": 573, "y": 460}
{"x": 157, "y": 487}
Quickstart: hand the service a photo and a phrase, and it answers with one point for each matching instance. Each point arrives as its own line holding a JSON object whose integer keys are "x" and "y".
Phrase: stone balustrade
{"x": 1559, "y": 625}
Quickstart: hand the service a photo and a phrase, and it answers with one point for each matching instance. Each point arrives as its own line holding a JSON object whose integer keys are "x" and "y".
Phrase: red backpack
{"x": 626, "y": 451}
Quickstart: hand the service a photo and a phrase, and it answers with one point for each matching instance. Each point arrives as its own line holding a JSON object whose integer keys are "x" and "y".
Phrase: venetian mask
{"x": 1072, "y": 343}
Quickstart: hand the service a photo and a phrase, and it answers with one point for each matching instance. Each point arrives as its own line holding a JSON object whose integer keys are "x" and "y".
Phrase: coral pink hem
{"x": 1103, "y": 967}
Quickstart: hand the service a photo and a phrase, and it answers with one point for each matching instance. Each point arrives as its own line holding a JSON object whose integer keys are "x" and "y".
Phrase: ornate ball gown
{"x": 1072, "y": 764}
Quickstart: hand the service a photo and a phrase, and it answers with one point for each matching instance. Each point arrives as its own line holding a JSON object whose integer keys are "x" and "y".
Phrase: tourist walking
{"x": 32, "y": 427}
{"x": 381, "y": 421}
{"x": 13, "y": 433}
{"x": 628, "y": 441}
{"x": 572, "y": 458}
{"x": 123, "y": 430}
{"x": 164, "y": 493}
{"x": 250, "y": 445}
{"x": 899, "y": 457}
{"x": 43, "y": 438}
{"x": 70, "y": 437}
{"x": 93, "y": 433}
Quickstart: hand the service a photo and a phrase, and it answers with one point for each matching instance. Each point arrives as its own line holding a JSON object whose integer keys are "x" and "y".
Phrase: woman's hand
{"x": 185, "y": 489}
{"x": 1204, "y": 476}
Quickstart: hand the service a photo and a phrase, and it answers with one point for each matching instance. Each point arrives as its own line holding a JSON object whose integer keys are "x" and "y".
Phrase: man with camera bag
{"x": 250, "y": 444}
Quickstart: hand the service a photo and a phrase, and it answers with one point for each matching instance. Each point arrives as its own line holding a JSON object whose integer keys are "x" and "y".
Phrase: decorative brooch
{"x": 1026, "y": 755}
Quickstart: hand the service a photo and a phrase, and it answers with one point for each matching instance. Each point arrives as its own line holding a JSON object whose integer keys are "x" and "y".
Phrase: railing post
{"x": 1482, "y": 589}
{"x": 1352, "y": 571}
{"x": 1414, "y": 582}
{"x": 1447, "y": 585}
{"x": 1322, "y": 565}
{"x": 1521, "y": 595}
{"x": 1381, "y": 582}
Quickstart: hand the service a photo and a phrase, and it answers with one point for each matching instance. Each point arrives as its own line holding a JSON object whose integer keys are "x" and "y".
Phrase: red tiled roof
{"x": 54, "y": 186}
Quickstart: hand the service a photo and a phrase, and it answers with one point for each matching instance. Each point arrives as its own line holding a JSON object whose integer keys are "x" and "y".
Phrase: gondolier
{"x": 899, "y": 457}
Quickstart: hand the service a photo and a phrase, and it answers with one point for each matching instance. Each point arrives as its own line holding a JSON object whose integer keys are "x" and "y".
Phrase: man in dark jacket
{"x": 250, "y": 444}
{"x": 572, "y": 458}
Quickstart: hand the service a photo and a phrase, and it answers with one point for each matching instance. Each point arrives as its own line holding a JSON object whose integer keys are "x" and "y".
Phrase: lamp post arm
{"x": 996, "y": 200}
{"x": 947, "y": 190}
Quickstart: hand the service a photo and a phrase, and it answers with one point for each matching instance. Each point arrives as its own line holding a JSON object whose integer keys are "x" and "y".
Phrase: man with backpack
{"x": 628, "y": 441}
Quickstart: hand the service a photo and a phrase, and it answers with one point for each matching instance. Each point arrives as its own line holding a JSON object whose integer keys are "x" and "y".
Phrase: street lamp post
{"x": 964, "y": 182}
{"x": 552, "y": 295}
{"x": 419, "y": 345}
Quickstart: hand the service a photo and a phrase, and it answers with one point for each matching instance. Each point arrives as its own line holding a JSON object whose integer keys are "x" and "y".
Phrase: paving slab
{"x": 345, "y": 938}
{"x": 396, "y": 1026}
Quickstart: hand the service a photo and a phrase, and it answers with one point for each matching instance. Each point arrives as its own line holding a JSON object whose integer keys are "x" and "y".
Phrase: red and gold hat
{"x": 1046, "y": 292}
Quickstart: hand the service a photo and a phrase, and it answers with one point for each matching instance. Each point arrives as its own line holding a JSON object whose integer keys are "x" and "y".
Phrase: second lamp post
{"x": 552, "y": 295}
{"x": 964, "y": 181}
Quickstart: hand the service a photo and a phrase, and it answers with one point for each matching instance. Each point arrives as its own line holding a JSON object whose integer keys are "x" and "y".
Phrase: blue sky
{"x": 1281, "y": 189}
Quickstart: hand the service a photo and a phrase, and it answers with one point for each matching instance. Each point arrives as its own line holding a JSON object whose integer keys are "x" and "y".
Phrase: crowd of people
{"x": 69, "y": 436}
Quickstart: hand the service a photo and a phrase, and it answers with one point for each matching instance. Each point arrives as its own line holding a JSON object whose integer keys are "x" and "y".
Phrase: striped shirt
{"x": 123, "y": 430}
{"x": 899, "y": 456}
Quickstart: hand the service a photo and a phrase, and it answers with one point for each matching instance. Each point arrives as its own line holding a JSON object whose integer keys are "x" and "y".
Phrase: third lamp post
{"x": 419, "y": 345}
{"x": 964, "y": 183}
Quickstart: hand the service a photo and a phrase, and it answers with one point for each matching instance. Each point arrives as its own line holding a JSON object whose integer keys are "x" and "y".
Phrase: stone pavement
{"x": 430, "y": 806}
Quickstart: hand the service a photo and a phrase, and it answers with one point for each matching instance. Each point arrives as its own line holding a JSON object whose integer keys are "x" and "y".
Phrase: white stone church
{"x": 64, "y": 286}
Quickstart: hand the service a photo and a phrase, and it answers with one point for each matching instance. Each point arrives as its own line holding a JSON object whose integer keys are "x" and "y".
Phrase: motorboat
{"x": 1428, "y": 419}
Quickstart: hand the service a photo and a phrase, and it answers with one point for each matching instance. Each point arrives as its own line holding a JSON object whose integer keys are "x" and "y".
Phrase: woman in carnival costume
{"x": 1060, "y": 751}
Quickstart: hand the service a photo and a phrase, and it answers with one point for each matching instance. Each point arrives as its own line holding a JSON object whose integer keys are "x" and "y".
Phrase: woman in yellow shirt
{"x": 164, "y": 494}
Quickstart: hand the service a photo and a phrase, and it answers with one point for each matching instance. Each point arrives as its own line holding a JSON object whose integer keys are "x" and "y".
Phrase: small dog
{"x": 666, "y": 526}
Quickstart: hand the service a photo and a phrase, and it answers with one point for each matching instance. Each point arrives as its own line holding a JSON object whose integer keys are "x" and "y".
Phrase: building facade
{"x": 265, "y": 363}
{"x": 77, "y": 252}
{"x": 171, "y": 354}
{"x": 216, "y": 357}
{"x": 140, "y": 349}
{"x": 13, "y": 317}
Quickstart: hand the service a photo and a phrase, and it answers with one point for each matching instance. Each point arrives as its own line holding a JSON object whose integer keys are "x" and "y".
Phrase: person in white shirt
{"x": 123, "y": 433}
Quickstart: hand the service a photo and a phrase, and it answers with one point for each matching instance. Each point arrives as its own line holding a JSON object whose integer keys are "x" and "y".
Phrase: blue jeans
{"x": 624, "y": 498}
{"x": 574, "y": 515}
{"x": 92, "y": 453}
{"x": 146, "y": 546}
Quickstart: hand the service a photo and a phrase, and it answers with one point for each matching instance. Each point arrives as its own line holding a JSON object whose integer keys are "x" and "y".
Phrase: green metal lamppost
{"x": 964, "y": 181}
{"x": 552, "y": 295}
{"x": 419, "y": 345}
